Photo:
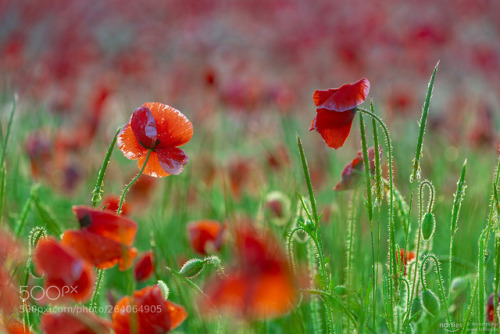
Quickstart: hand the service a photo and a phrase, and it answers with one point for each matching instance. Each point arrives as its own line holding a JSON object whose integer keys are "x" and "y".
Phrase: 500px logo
{"x": 38, "y": 292}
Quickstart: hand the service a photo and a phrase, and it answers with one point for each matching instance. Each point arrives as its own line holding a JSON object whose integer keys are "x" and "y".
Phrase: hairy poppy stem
{"x": 3, "y": 168}
{"x": 97, "y": 192}
{"x": 132, "y": 182}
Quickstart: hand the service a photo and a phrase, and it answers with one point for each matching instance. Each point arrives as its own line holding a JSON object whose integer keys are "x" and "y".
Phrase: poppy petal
{"x": 106, "y": 223}
{"x": 128, "y": 143}
{"x": 153, "y": 167}
{"x": 334, "y": 127}
{"x": 176, "y": 313}
{"x": 144, "y": 127}
{"x": 205, "y": 234}
{"x": 172, "y": 160}
{"x": 55, "y": 261}
{"x": 344, "y": 98}
{"x": 320, "y": 96}
{"x": 83, "y": 322}
{"x": 144, "y": 267}
{"x": 174, "y": 129}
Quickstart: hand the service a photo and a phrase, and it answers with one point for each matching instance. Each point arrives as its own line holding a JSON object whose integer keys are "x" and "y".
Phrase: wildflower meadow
{"x": 279, "y": 166}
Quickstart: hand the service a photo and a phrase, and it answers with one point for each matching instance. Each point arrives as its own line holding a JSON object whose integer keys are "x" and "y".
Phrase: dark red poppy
{"x": 144, "y": 267}
{"x": 335, "y": 109}
{"x": 112, "y": 202}
{"x": 104, "y": 238}
{"x": 205, "y": 236}
{"x": 490, "y": 307}
{"x": 261, "y": 285}
{"x": 148, "y": 312}
{"x": 162, "y": 129}
{"x": 81, "y": 322}
{"x": 66, "y": 273}
{"x": 353, "y": 172}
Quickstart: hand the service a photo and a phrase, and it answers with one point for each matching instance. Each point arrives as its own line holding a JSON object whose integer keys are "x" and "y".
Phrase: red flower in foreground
{"x": 205, "y": 236}
{"x": 335, "y": 109}
{"x": 67, "y": 275}
{"x": 148, "y": 312}
{"x": 353, "y": 172}
{"x": 14, "y": 326}
{"x": 144, "y": 267}
{"x": 81, "y": 322}
{"x": 104, "y": 238}
{"x": 160, "y": 128}
{"x": 112, "y": 202}
{"x": 262, "y": 285}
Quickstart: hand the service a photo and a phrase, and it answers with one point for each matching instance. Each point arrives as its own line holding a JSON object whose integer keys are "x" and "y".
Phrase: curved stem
{"x": 133, "y": 181}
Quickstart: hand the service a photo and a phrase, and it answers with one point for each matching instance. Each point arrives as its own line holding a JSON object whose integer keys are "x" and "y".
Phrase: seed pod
{"x": 430, "y": 302}
{"x": 416, "y": 306}
{"x": 458, "y": 284}
{"x": 428, "y": 225}
{"x": 340, "y": 290}
{"x": 192, "y": 268}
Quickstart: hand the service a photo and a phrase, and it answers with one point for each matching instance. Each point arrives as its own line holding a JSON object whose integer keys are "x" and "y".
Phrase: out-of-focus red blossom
{"x": 490, "y": 308}
{"x": 83, "y": 322}
{"x": 335, "y": 109}
{"x": 405, "y": 258}
{"x": 141, "y": 191}
{"x": 38, "y": 146}
{"x": 64, "y": 269}
{"x": 278, "y": 159}
{"x": 482, "y": 132}
{"x": 154, "y": 313}
{"x": 353, "y": 172}
{"x": 260, "y": 285}
{"x": 112, "y": 203}
{"x": 160, "y": 128}
{"x": 242, "y": 176}
{"x": 104, "y": 238}
{"x": 205, "y": 236}
{"x": 11, "y": 256}
{"x": 14, "y": 326}
{"x": 144, "y": 267}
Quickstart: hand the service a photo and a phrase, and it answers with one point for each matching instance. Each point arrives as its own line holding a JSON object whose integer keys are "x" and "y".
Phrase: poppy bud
{"x": 430, "y": 302}
{"x": 416, "y": 306}
{"x": 340, "y": 290}
{"x": 458, "y": 284}
{"x": 428, "y": 225}
{"x": 165, "y": 291}
{"x": 192, "y": 268}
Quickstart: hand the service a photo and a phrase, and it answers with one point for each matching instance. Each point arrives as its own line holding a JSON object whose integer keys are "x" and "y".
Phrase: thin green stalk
{"x": 440, "y": 280}
{"x": 9, "y": 127}
{"x": 392, "y": 241}
{"x": 25, "y": 210}
{"x": 481, "y": 279}
{"x": 93, "y": 301}
{"x": 465, "y": 329}
{"x": 308, "y": 181}
{"x": 457, "y": 203}
{"x": 369, "y": 207}
{"x": 379, "y": 186}
{"x": 133, "y": 181}
{"x": 97, "y": 192}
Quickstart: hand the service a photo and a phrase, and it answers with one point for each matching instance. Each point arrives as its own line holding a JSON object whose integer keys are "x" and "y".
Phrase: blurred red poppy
{"x": 160, "y": 128}
{"x": 147, "y": 312}
{"x": 406, "y": 257}
{"x": 104, "y": 238}
{"x": 14, "y": 326}
{"x": 261, "y": 285}
{"x": 112, "y": 202}
{"x": 335, "y": 109}
{"x": 490, "y": 308}
{"x": 205, "y": 236}
{"x": 353, "y": 172}
{"x": 144, "y": 267}
{"x": 81, "y": 322}
{"x": 68, "y": 275}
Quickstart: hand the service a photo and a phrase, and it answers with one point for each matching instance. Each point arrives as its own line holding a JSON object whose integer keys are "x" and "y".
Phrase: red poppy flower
{"x": 112, "y": 202}
{"x": 335, "y": 109}
{"x": 205, "y": 236}
{"x": 14, "y": 326}
{"x": 66, "y": 273}
{"x": 262, "y": 285}
{"x": 162, "y": 129}
{"x": 148, "y": 312}
{"x": 353, "y": 172}
{"x": 144, "y": 267}
{"x": 104, "y": 238}
{"x": 81, "y": 322}
{"x": 406, "y": 257}
{"x": 490, "y": 308}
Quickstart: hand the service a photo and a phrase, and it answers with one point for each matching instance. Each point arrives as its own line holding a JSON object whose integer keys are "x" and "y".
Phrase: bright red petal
{"x": 177, "y": 314}
{"x": 344, "y": 98}
{"x": 334, "y": 127}
{"x": 144, "y": 127}
{"x": 320, "y": 96}
{"x": 73, "y": 323}
{"x": 153, "y": 168}
{"x": 128, "y": 143}
{"x": 57, "y": 262}
{"x": 172, "y": 160}
{"x": 205, "y": 234}
{"x": 106, "y": 223}
{"x": 174, "y": 129}
{"x": 144, "y": 267}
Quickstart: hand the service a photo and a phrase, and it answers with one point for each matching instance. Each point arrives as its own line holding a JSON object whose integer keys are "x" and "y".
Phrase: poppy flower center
{"x": 85, "y": 221}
